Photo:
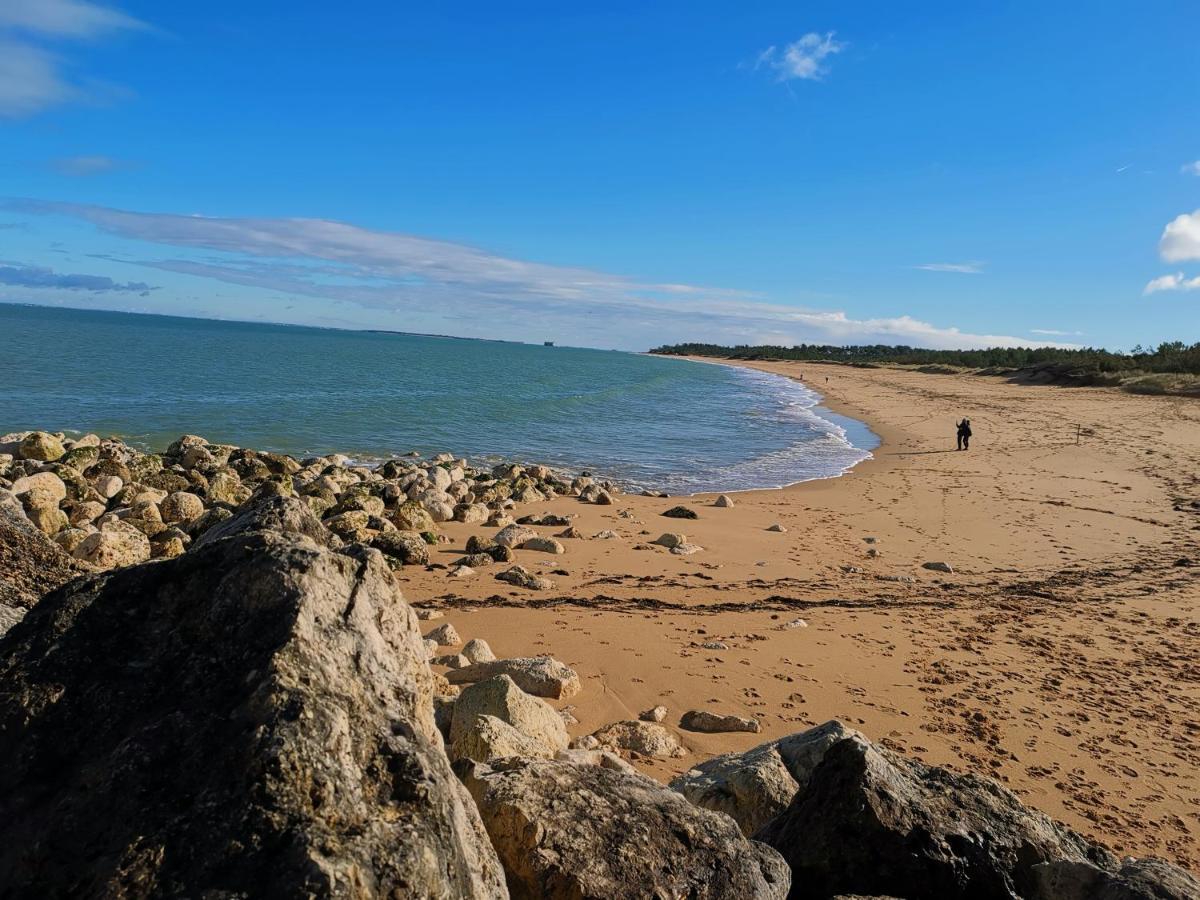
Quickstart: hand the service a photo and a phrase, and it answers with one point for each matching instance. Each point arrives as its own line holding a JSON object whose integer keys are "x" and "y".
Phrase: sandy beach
{"x": 1062, "y": 655}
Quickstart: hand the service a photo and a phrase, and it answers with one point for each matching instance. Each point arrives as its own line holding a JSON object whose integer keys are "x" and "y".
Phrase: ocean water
{"x": 647, "y": 422}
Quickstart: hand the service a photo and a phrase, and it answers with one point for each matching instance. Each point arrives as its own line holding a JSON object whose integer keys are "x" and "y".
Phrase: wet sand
{"x": 1062, "y": 656}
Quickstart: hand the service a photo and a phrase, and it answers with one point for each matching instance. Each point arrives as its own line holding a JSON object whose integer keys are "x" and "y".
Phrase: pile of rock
{"x": 257, "y": 717}
{"x": 110, "y": 505}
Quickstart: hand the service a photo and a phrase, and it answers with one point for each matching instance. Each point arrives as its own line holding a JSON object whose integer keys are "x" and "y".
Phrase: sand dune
{"x": 1062, "y": 655}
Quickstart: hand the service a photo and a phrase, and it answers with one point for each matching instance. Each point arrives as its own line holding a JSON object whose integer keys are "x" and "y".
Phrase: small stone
{"x": 646, "y": 738}
{"x": 451, "y": 661}
{"x": 657, "y": 714}
{"x": 429, "y": 615}
{"x": 938, "y": 567}
{"x": 686, "y": 549}
{"x": 670, "y": 539}
{"x": 519, "y": 576}
{"x": 777, "y": 528}
{"x": 461, "y": 571}
{"x": 477, "y": 650}
{"x": 715, "y": 645}
{"x": 445, "y": 635}
{"x": 181, "y": 506}
{"x": 544, "y": 545}
{"x": 711, "y": 723}
{"x": 681, "y": 512}
{"x": 723, "y": 502}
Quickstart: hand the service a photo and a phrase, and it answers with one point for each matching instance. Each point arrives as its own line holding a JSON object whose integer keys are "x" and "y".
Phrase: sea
{"x": 647, "y": 422}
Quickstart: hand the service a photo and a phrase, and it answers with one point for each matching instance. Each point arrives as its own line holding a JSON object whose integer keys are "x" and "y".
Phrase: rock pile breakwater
{"x": 109, "y": 504}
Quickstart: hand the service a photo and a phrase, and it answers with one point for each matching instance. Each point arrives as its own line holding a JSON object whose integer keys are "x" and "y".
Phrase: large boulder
{"x": 573, "y": 831}
{"x": 872, "y": 822}
{"x": 30, "y": 563}
{"x": 1137, "y": 879}
{"x": 251, "y": 719}
{"x": 116, "y": 544}
{"x": 755, "y": 786}
{"x": 542, "y": 676}
{"x": 272, "y": 513}
{"x": 500, "y": 697}
{"x": 41, "y": 446}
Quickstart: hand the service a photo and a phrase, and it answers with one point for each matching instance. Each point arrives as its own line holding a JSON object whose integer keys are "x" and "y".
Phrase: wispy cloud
{"x": 33, "y": 76}
{"x": 1051, "y": 332}
{"x": 1174, "y": 282}
{"x": 82, "y": 166}
{"x": 804, "y": 59}
{"x": 38, "y": 277}
{"x": 963, "y": 268}
{"x": 1180, "y": 240}
{"x": 1192, "y": 168}
{"x": 423, "y": 284}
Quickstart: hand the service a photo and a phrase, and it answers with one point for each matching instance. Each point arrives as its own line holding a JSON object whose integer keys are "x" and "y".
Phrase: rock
{"x": 181, "y": 506}
{"x": 938, "y": 567}
{"x": 681, "y": 512}
{"x": 544, "y": 545}
{"x": 1137, "y": 879}
{"x": 723, "y": 502}
{"x": 30, "y": 563}
{"x": 431, "y": 648}
{"x": 500, "y": 697}
{"x": 670, "y": 539}
{"x": 512, "y": 536}
{"x": 253, "y": 718}
{"x": 288, "y": 515}
{"x": 686, "y": 549}
{"x": 411, "y": 516}
{"x": 46, "y": 482}
{"x": 475, "y": 560}
{"x": 657, "y": 714}
{"x": 451, "y": 661}
{"x": 645, "y": 738}
{"x": 108, "y": 486}
{"x": 430, "y": 615}
{"x": 605, "y": 758}
{"x": 477, "y": 650}
{"x": 445, "y": 635}
{"x": 70, "y": 538}
{"x": 406, "y": 546}
{"x": 571, "y": 533}
{"x": 461, "y": 571}
{"x": 226, "y": 487}
{"x": 115, "y": 544}
{"x": 86, "y": 512}
{"x": 711, "y": 723}
{"x": 490, "y": 738}
{"x": 714, "y": 645}
{"x": 541, "y": 676}
{"x": 872, "y": 822}
{"x": 46, "y": 518}
{"x": 471, "y": 513}
{"x": 606, "y": 535}
{"x": 755, "y": 786}
{"x": 565, "y": 831}
{"x": 603, "y": 498}
{"x": 41, "y": 446}
{"x": 777, "y": 528}
{"x": 522, "y": 577}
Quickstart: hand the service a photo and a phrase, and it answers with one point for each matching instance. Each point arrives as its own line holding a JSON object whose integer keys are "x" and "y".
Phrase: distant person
{"x": 964, "y": 434}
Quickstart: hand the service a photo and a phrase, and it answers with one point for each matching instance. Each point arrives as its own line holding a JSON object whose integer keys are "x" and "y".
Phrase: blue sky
{"x": 610, "y": 174}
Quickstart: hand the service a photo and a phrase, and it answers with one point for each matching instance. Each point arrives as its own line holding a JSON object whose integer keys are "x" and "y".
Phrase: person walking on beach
{"x": 964, "y": 434}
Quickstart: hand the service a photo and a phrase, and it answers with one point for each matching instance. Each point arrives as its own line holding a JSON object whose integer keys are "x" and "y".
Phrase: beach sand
{"x": 1062, "y": 656}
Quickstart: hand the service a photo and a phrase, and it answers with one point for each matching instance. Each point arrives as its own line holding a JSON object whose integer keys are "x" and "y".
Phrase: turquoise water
{"x": 648, "y": 422}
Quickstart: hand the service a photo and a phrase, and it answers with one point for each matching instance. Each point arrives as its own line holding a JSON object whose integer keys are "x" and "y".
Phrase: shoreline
{"x": 1059, "y": 562}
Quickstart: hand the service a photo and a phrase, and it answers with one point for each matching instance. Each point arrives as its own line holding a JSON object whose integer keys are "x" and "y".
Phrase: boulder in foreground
{"x": 252, "y": 718}
{"x": 757, "y": 785}
{"x": 872, "y": 822}
{"x": 564, "y": 830}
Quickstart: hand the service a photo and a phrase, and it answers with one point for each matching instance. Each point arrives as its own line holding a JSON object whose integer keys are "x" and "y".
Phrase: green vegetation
{"x": 1174, "y": 358}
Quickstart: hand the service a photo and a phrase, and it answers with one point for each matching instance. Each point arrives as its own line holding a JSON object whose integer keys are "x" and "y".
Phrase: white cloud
{"x": 1050, "y": 332}
{"x": 1181, "y": 238}
{"x": 1192, "y": 168}
{"x": 804, "y": 59}
{"x": 965, "y": 268}
{"x": 420, "y": 284}
{"x": 31, "y": 76}
{"x": 84, "y": 165}
{"x": 1175, "y": 282}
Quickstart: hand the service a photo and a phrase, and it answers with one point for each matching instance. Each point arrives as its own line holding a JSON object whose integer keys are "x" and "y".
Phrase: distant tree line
{"x": 1173, "y": 357}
